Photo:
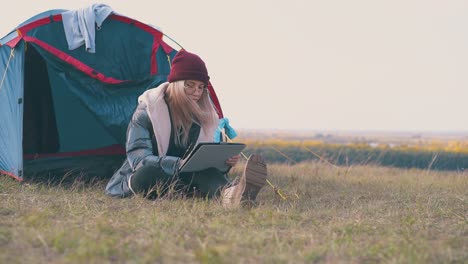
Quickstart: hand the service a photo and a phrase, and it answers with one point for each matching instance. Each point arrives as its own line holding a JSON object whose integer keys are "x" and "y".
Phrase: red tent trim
{"x": 11, "y": 175}
{"x": 57, "y": 18}
{"x": 12, "y": 43}
{"x": 167, "y": 49}
{"x": 40, "y": 22}
{"x": 153, "y": 31}
{"x": 72, "y": 61}
{"x": 215, "y": 100}
{"x": 154, "y": 50}
{"x": 110, "y": 150}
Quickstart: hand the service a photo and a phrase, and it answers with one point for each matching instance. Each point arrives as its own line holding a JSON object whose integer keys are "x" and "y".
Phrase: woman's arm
{"x": 138, "y": 138}
{"x": 139, "y": 147}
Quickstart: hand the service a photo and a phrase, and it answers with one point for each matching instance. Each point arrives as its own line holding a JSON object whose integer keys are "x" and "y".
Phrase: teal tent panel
{"x": 162, "y": 61}
{"x": 113, "y": 105}
{"x": 78, "y": 127}
{"x": 11, "y": 109}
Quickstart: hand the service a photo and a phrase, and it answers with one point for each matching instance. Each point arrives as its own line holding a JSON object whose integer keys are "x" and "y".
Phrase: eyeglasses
{"x": 191, "y": 87}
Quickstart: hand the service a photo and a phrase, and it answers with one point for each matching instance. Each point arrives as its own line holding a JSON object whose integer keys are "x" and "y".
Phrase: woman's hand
{"x": 233, "y": 160}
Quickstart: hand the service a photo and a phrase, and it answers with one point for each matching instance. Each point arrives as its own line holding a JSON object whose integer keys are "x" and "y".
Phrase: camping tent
{"x": 63, "y": 110}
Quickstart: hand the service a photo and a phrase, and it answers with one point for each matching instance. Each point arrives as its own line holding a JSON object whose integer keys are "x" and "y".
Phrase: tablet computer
{"x": 210, "y": 155}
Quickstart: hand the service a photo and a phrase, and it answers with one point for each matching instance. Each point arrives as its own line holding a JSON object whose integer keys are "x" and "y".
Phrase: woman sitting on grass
{"x": 170, "y": 118}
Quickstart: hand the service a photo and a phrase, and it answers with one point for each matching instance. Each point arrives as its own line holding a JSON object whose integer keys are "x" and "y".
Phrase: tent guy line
{"x": 6, "y": 68}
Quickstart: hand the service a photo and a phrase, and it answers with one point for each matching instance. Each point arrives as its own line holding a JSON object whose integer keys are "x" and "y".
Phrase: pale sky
{"x": 399, "y": 65}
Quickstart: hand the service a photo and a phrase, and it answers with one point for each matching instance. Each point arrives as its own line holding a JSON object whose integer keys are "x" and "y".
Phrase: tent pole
{"x": 173, "y": 41}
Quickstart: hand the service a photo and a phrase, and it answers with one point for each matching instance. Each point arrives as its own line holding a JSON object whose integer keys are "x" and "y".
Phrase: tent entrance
{"x": 59, "y": 132}
{"x": 40, "y": 133}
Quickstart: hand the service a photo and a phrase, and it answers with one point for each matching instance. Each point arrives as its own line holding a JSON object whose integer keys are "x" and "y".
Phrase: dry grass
{"x": 332, "y": 215}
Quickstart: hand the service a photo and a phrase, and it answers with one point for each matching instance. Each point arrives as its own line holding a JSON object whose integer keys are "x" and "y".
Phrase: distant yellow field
{"x": 439, "y": 152}
{"x": 447, "y": 146}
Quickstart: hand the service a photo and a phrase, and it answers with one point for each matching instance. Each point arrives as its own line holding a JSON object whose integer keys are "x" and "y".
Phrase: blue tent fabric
{"x": 55, "y": 115}
{"x": 11, "y": 110}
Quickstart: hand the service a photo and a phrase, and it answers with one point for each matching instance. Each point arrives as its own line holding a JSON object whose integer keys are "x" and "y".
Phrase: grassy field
{"x": 360, "y": 214}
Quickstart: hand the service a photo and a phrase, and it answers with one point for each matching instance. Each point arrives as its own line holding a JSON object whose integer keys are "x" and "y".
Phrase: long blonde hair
{"x": 185, "y": 111}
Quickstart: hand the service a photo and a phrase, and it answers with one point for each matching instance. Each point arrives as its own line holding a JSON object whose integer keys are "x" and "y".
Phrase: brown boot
{"x": 250, "y": 183}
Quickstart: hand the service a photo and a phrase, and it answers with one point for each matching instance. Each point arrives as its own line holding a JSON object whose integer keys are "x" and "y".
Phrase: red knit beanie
{"x": 188, "y": 66}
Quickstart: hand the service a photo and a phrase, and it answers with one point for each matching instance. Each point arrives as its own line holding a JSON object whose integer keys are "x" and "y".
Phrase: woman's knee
{"x": 147, "y": 178}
